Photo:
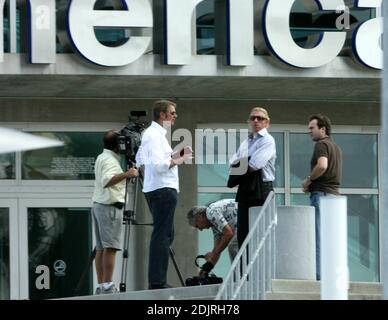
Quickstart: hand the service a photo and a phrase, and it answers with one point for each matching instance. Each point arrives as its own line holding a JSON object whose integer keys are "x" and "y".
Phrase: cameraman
{"x": 221, "y": 216}
{"x": 108, "y": 202}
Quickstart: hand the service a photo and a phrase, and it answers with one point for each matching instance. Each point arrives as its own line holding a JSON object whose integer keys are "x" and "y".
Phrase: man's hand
{"x": 306, "y": 185}
{"x": 185, "y": 158}
{"x": 132, "y": 172}
{"x": 212, "y": 257}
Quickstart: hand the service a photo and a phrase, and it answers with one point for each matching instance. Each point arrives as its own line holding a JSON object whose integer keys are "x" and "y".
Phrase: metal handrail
{"x": 250, "y": 280}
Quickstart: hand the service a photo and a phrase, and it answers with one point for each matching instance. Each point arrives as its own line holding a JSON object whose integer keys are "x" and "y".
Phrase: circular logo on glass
{"x": 60, "y": 267}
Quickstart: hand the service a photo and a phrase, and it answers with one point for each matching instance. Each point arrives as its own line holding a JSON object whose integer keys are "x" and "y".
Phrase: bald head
{"x": 111, "y": 141}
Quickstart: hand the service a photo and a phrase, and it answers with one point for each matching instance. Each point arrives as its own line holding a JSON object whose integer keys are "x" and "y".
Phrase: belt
{"x": 118, "y": 205}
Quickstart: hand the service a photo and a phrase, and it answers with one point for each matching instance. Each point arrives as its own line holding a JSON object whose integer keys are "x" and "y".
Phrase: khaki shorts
{"x": 108, "y": 222}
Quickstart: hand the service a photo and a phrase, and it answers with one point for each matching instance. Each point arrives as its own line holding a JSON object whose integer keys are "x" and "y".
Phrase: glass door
{"x": 8, "y": 250}
{"x": 56, "y": 246}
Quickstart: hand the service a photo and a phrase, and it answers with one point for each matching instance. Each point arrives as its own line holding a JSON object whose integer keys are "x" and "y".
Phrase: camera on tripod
{"x": 130, "y": 136}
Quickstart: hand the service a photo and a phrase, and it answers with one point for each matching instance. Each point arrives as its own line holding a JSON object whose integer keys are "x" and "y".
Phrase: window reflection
{"x": 60, "y": 237}
{"x": 359, "y": 152}
{"x": 363, "y": 235}
{"x": 7, "y": 166}
{"x": 4, "y": 254}
{"x": 74, "y": 161}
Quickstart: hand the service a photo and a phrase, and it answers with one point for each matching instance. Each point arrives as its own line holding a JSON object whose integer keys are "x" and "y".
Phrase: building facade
{"x": 72, "y": 70}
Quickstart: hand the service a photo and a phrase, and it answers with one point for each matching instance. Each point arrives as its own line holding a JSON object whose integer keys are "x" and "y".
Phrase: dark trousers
{"x": 243, "y": 213}
{"x": 162, "y": 203}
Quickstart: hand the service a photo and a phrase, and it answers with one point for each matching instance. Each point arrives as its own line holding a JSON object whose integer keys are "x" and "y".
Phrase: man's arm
{"x": 220, "y": 244}
{"x": 132, "y": 172}
{"x": 263, "y": 154}
{"x": 319, "y": 169}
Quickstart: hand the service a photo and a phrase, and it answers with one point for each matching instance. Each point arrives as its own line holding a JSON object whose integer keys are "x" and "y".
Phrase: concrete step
{"x": 315, "y": 296}
{"x": 309, "y": 286}
{"x": 207, "y": 292}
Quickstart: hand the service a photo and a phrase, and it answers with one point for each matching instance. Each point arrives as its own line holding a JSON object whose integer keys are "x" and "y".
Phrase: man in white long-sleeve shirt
{"x": 161, "y": 187}
{"x": 258, "y": 153}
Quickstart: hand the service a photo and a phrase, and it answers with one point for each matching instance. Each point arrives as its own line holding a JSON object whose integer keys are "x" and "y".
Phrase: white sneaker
{"x": 111, "y": 289}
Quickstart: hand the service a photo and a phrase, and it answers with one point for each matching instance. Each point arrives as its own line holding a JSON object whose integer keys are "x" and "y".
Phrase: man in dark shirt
{"x": 325, "y": 175}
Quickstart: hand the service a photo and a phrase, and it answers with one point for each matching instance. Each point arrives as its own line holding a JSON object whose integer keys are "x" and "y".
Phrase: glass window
{"x": 4, "y": 254}
{"x": 279, "y": 140}
{"x": 61, "y": 239}
{"x": 216, "y": 174}
{"x": 359, "y": 159}
{"x": 205, "y": 27}
{"x": 7, "y": 166}
{"x": 301, "y": 150}
{"x": 307, "y": 23}
{"x": 75, "y": 161}
{"x": 280, "y": 199}
{"x": 6, "y": 31}
{"x": 300, "y": 199}
{"x": 359, "y": 152}
{"x": 363, "y": 235}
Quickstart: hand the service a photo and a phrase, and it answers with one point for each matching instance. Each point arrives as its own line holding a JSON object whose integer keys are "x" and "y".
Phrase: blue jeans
{"x": 314, "y": 201}
{"x": 162, "y": 203}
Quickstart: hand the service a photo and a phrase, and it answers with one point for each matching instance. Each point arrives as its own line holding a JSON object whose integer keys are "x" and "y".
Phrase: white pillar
{"x": 334, "y": 248}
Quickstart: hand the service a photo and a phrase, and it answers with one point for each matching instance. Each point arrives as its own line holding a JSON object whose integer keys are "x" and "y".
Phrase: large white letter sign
{"x": 2, "y": 30}
{"x": 367, "y": 46}
{"x": 240, "y": 32}
{"x": 42, "y": 31}
{"x": 178, "y": 19}
{"x": 277, "y": 33}
{"x": 82, "y": 20}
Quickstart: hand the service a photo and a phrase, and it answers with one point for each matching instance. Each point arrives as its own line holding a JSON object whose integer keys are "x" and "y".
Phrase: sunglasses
{"x": 259, "y": 118}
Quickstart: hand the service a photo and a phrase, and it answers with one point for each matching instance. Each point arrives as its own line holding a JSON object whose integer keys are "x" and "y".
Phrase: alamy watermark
{"x": 343, "y": 21}
{"x": 210, "y": 146}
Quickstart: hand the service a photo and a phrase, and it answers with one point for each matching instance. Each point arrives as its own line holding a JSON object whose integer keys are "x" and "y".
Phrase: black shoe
{"x": 158, "y": 286}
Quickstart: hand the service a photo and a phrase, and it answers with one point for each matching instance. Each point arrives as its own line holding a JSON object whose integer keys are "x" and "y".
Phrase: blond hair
{"x": 258, "y": 109}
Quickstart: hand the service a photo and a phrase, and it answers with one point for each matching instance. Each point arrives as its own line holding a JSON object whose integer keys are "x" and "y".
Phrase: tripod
{"x": 130, "y": 219}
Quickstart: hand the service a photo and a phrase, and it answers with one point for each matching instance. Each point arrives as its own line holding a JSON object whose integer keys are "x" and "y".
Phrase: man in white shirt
{"x": 108, "y": 202}
{"x": 258, "y": 151}
{"x": 161, "y": 187}
{"x": 221, "y": 216}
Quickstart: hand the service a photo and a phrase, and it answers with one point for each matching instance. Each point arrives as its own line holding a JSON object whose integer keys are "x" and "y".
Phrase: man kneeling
{"x": 221, "y": 216}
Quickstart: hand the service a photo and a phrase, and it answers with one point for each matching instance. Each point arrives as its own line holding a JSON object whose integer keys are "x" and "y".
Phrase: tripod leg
{"x": 172, "y": 255}
{"x": 124, "y": 266}
{"x": 85, "y": 272}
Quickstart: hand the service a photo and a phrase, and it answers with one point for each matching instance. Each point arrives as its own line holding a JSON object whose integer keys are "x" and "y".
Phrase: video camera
{"x": 205, "y": 278}
{"x": 130, "y": 136}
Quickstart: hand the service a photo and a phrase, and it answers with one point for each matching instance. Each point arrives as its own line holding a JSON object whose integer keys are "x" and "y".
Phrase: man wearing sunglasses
{"x": 255, "y": 162}
{"x": 161, "y": 187}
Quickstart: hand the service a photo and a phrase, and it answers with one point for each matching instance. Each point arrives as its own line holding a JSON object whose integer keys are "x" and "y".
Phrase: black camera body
{"x": 206, "y": 278}
{"x": 203, "y": 280}
{"x": 130, "y": 136}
